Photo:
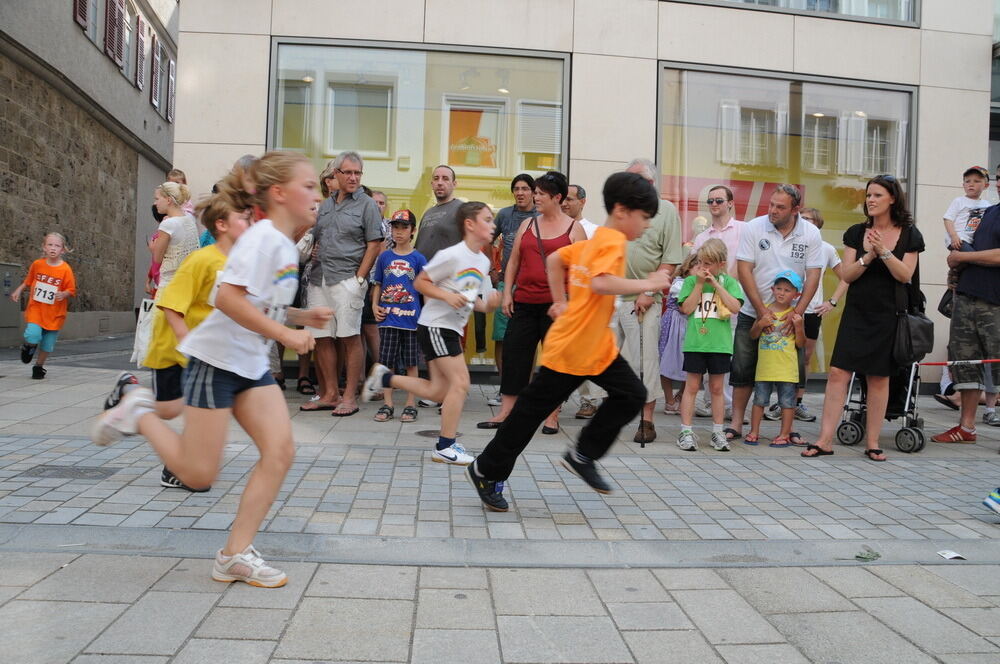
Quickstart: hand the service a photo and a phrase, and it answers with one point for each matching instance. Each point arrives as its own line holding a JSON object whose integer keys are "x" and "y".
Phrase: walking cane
{"x": 642, "y": 364}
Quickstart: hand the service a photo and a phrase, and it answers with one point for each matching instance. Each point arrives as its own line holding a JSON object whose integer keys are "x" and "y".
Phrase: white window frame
{"x": 308, "y": 116}
{"x": 521, "y": 151}
{"x": 330, "y": 149}
{"x": 808, "y": 158}
{"x": 128, "y": 39}
{"x": 451, "y": 102}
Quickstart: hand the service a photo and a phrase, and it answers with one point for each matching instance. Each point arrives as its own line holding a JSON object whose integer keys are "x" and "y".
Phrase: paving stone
{"x": 846, "y": 638}
{"x": 453, "y": 577}
{"x": 255, "y": 624}
{"x": 285, "y": 597}
{"x": 968, "y": 659}
{"x": 690, "y": 579}
{"x": 445, "y": 646}
{"x": 190, "y": 575}
{"x": 784, "y": 590}
{"x": 51, "y": 632}
{"x": 929, "y": 588}
{"x": 120, "y": 659}
{"x": 924, "y": 626}
{"x": 364, "y": 581}
{"x": 780, "y": 653}
{"x": 977, "y": 579}
{"x": 454, "y": 609}
{"x": 655, "y": 615}
{"x": 657, "y": 647}
{"x": 213, "y": 651}
{"x": 175, "y": 616}
{"x": 854, "y": 582}
{"x": 627, "y": 585}
{"x": 725, "y": 617}
{"x": 560, "y": 639}
{"x": 85, "y": 579}
{"x": 985, "y": 622}
{"x": 27, "y": 569}
{"x": 322, "y": 626}
{"x": 541, "y": 592}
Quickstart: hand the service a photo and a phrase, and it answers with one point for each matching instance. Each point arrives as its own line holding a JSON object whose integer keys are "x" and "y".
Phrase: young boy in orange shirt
{"x": 580, "y": 346}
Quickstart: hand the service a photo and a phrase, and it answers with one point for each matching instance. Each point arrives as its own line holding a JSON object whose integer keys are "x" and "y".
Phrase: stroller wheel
{"x": 850, "y": 433}
{"x": 909, "y": 440}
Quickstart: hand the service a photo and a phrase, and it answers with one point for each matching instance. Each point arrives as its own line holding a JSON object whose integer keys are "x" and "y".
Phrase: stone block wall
{"x": 60, "y": 170}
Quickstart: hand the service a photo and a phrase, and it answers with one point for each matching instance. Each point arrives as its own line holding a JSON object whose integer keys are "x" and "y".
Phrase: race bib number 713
{"x": 43, "y": 292}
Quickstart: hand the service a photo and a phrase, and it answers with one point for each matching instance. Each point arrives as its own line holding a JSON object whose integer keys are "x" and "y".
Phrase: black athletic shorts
{"x": 713, "y": 363}
{"x": 812, "y": 322}
{"x": 438, "y": 342}
{"x": 167, "y": 383}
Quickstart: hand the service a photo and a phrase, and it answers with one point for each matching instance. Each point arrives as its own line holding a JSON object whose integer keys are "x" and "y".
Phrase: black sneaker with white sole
{"x": 38, "y": 372}
{"x": 586, "y": 471}
{"x": 27, "y": 352}
{"x": 117, "y": 392}
{"x": 490, "y": 492}
{"x": 170, "y": 481}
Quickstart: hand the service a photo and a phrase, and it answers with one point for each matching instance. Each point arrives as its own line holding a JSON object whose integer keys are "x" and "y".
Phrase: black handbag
{"x": 914, "y": 330}
{"x": 947, "y": 303}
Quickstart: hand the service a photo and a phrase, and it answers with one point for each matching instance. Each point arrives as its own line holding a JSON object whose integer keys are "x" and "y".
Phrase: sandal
{"x": 384, "y": 414}
{"x": 819, "y": 451}
{"x": 409, "y": 414}
{"x": 780, "y": 441}
{"x": 795, "y": 439}
{"x": 732, "y": 434}
{"x": 750, "y": 439}
{"x": 306, "y": 386}
{"x": 874, "y": 452}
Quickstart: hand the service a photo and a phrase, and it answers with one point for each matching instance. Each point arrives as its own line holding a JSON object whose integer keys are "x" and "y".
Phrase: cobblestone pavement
{"x": 697, "y": 557}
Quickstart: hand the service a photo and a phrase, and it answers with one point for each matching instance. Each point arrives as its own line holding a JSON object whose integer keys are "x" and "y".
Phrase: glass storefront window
{"x": 488, "y": 116}
{"x": 887, "y": 10}
{"x": 752, "y": 133}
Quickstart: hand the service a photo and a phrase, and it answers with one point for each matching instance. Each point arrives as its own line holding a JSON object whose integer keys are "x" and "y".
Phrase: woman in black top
{"x": 879, "y": 254}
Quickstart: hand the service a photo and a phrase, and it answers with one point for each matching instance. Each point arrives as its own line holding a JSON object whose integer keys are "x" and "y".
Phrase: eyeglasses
{"x": 716, "y": 201}
{"x": 356, "y": 174}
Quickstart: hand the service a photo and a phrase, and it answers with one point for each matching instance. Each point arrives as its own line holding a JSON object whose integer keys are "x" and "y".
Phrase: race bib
{"x": 44, "y": 292}
{"x": 708, "y": 307}
{"x": 215, "y": 288}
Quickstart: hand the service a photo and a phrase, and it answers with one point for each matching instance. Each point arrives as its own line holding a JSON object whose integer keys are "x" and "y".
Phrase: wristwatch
{"x": 361, "y": 280}
{"x": 648, "y": 293}
{"x": 885, "y": 255}
{"x": 862, "y": 261}
{"x": 833, "y": 302}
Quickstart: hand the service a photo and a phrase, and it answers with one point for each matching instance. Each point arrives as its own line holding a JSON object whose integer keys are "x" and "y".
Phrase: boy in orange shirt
{"x": 580, "y": 346}
{"x": 51, "y": 283}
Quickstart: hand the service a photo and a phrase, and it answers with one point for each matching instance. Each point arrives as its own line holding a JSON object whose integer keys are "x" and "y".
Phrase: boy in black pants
{"x": 580, "y": 346}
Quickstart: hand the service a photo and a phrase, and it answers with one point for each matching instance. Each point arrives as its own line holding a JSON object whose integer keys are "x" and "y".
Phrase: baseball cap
{"x": 977, "y": 170}
{"x": 789, "y": 276}
{"x": 404, "y": 217}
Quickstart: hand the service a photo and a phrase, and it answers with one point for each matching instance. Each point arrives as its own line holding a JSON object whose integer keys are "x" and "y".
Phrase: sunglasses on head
{"x": 715, "y": 201}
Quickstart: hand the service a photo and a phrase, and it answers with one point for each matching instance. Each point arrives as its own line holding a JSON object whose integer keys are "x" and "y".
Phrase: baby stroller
{"x": 903, "y": 391}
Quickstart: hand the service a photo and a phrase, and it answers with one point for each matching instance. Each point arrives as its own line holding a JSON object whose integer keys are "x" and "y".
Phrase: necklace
{"x": 704, "y": 314}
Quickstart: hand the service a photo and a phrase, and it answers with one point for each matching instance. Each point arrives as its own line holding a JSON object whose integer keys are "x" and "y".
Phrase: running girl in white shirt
{"x": 227, "y": 371}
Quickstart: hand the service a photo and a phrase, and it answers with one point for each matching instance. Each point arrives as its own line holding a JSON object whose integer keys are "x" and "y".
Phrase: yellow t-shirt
{"x": 580, "y": 342}
{"x": 191, "y": 294}
{"x": 777, "y": 358}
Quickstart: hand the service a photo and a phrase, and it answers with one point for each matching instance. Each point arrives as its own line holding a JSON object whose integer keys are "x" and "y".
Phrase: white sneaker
{"x": 772, "y": 412}
{"x": 992, "y": 419}
{"x": 802, "y": 413}
{"x": 248, "y": 567}
{"x": 687, "y": 441}
{"x": 495, "y": 400}
{"x": 455, "y": 455}
{"x": 120, "y": 421}
{"x": 373, "y": 384}
{"x": 719, "y": 441}
{"x": 427, "y": 403}
{"x": 701, "y": 410}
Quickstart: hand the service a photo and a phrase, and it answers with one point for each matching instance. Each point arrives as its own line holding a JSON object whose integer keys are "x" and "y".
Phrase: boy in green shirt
{"x": 708, "y": 297}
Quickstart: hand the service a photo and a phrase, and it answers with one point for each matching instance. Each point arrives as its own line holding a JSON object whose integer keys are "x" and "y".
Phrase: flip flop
{"x": 751, "y": 439}
{"x": 732, "y": 434}
{"x": 344, "y": 413}
{"x": 319, "y": 405}
{"x": 488, "y": 425}
{"x": 780, "y": 441}
{"x": 795, "y": 439}
{"x": 550, "y": 431}
{"x": 872, "y": 453}
{"x": 945, "y": 401}
{"x": 819, "y": 452}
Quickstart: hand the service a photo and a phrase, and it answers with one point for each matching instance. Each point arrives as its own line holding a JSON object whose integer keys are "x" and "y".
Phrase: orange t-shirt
{"x": 43, "y": 282}
{"x": 580, "y": 342}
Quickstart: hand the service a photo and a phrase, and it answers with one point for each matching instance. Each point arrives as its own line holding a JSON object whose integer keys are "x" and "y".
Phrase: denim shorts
{"x": 786, "y": 393}
{"x": 206, "y": 386}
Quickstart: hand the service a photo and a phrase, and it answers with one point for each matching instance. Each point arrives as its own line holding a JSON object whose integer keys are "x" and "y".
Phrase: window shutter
{"x": 119, "y": 56}
{"x": 80, "y": 12}
{"x": 540, "y": 128}
{"x": 109, "y": 29}
{"x": 171, "y": 89}
{"x": 851, "y": 146}
{"x": 140, "y": 52}
{"x": 154, "y": 72}
{"x": 729, "y": 131}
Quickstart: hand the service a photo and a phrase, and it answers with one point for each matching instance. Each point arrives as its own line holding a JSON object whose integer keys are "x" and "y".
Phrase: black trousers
{"x": 525, "y": 330}
{"x": 626, "y": 397}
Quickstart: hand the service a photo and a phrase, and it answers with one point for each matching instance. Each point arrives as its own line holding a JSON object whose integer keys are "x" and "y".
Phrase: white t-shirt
{"x": 183, "y": 232}
{"x": 960, "y": 212}
{"x": 831, "y": 259}
{"x": 265, "y": 262}
{"x": 456, "y": 269}
{"x": 588, "y": 227}
{"x": 771, "y": 253}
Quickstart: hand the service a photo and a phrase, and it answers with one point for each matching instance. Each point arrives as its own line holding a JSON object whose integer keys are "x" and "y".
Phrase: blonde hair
{"x": 217, "y": 207}
{"x": 713, "y": 251}
{"x": 817, "y": 216}
{"x": 326, "y": 175}
{"x": 177, "y": 173}
{"x": 273, "y": 168}
{"x": 684, "y": 269}
{"x": 62, "y": 238}
{"x": 178, "y": 193}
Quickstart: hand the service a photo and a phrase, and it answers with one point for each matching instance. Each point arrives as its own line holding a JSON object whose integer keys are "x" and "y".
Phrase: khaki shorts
{"x": 347, "y": 299}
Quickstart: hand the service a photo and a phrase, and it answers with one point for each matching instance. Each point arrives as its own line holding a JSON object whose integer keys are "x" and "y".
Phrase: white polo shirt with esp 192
{"x": 764, "y": 246}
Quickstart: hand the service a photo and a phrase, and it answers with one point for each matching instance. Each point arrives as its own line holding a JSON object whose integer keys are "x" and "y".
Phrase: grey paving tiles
{"x": 546, "y": 639}
{"x": 322, "y": 627}
{"x": 175, "y": 616}
{"x": 52, "y": 632}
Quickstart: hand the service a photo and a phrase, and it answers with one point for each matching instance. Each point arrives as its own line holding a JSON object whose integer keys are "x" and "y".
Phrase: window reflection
{"x": 893, "y": 10}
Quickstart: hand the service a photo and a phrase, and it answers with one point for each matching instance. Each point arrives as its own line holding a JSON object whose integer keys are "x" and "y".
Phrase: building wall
{"x": 616, "y": 48}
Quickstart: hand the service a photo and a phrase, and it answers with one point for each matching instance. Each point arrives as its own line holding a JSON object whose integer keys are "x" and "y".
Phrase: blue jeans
{"x": 762, "y": 393}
